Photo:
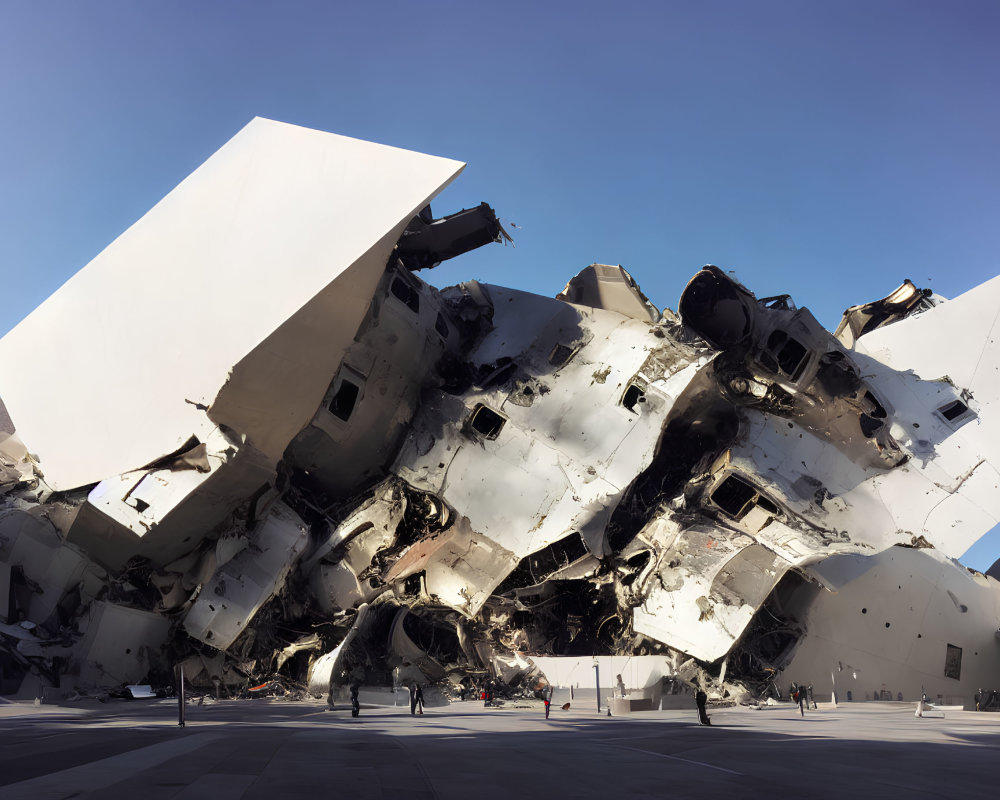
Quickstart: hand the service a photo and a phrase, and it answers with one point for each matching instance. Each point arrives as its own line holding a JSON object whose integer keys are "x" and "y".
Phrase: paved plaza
{"x": 275, "y": 749}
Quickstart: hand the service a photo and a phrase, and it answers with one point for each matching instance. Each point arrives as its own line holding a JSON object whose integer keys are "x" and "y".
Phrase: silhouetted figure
{"x": 420, "y": 700}
{"x": 547, "y": 699}
{"x": 701, "y": 699}
{"x": 413, "y": 699}
{"x": 355, "y": 704}
{"x": 800, "y": 698}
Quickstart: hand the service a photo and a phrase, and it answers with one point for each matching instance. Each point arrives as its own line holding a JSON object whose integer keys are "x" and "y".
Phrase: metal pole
{"x": 180, "y": 700}
{"x": 597, "y": 677}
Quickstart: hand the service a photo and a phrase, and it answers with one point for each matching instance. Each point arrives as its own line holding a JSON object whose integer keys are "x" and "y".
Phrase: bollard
{"x": 180, "y": 700}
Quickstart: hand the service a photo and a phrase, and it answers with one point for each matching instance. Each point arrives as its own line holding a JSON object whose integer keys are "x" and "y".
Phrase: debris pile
{"x": 392, "y": 484}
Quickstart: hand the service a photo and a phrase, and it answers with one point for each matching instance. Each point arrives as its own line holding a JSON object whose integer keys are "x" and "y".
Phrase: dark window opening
{"x": 869, "y": 425}
{"x": 953, "y": 410}
{"x": 633, "y": 396}
{"x": 343, "y": 402}
{"x": 560, "y": 355}
{"x": 873, "y": 418}
{"x": 767, "y": 505}
{"x": 789, "y": 352}
{"x": 768, "y": 362}
{"x": 737, "y": 498}
{"x": 875, "y": 408}
{"x": 953, "y": 662}
{"x": 410, "y": 296}
{"x": 556, "y": 556}
{"x": 734, "y": 496}
{"x": 412, "y": 585}
{"x": 441, "y": 326}
{"x": 438, "y": 641}
{"x": 487, "y": 422}
{"x": 140, "y": 505}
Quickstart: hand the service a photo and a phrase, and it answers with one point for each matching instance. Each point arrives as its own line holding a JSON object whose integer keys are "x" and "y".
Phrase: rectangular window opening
{"x": 403, "y": 291}
{"x": 953, "y": 410}
{"x": 788, "y": 353}
{"x": 737, "y": 498}
{"x": 734, "y": 496}
{"x": 953, "y": 662}
{"x": 343, "y": 401}
{"x": 487, "y": 422}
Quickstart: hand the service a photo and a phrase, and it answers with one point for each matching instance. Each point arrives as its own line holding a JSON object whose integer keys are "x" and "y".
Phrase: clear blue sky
{"x": 824, "y": 149}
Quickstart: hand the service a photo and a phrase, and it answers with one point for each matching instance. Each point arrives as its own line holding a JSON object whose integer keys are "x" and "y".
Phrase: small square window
{"x": 487, "y": 422}
{"x": 952, "y": 411}
{"x": 737, "y": 498}
{"x": 789, "y": 354}
{"x": 734, "y": 496}
{"x": 403, "y": 291}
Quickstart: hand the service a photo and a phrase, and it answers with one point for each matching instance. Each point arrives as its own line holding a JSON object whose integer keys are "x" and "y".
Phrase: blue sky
{"x": 827, "y": 150}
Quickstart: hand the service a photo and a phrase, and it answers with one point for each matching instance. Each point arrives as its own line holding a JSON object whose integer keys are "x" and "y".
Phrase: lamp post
{"x": 181, "y": 699}
{"x": 597, "y": 678}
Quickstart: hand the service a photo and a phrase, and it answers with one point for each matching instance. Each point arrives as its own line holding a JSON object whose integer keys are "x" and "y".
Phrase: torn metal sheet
{"x": 704, "y": 588}
{"x": 229, "y": 600}
{"x": 457, "y": 567}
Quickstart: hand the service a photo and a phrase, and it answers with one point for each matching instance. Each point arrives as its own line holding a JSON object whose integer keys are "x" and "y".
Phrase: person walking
{"x": 355, "y": 703}
{"x": 413, "y": 699}
{"x": 420, "y": 700}
{"x": 800, "y": 698}
{"x": 547, "y": 699}
{"x": 701, "y": 699}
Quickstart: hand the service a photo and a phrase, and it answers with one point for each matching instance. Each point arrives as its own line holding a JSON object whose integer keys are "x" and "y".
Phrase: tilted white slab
{"x": 104, "y": 376}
